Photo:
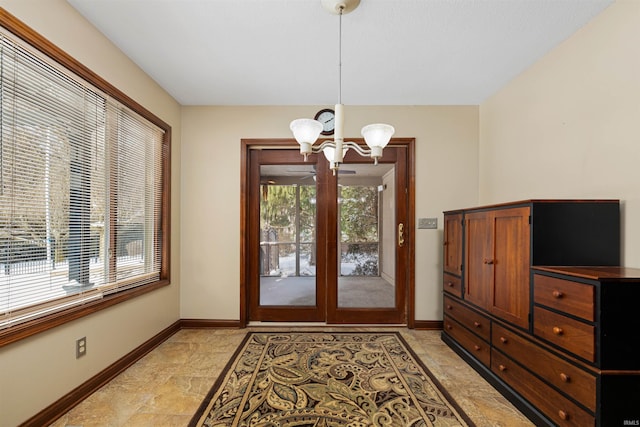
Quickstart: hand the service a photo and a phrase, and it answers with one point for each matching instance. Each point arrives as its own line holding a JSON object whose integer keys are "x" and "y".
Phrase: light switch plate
{"x": 428, "y": 223}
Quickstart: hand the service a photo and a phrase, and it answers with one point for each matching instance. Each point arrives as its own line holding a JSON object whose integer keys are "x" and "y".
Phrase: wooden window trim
{"x": 37, "y": 41}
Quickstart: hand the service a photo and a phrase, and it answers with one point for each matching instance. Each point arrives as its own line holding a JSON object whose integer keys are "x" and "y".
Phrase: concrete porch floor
{"x": 353, "y": 291}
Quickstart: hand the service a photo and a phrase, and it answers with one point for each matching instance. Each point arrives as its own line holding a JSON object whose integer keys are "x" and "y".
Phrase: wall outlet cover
{"x": 81, "y": 347}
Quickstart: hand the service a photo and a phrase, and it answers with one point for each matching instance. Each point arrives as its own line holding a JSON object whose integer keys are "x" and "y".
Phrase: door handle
{"x": 400, "y": 234}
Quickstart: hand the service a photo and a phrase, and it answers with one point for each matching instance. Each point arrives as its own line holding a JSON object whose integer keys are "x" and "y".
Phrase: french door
{"x": 319, "y": 247}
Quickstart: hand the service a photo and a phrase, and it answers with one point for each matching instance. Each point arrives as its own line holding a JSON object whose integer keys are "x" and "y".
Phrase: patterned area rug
{"x": 327, "y": 379}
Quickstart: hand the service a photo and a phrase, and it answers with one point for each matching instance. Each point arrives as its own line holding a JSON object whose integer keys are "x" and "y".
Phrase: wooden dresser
{"x": 535, "y": 301}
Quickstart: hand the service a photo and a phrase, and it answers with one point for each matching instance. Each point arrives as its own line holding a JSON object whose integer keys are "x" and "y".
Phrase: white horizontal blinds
{"x": 136, "y": 197}
{"x": 62, "y": 203}
{"x": 46, "y": 119}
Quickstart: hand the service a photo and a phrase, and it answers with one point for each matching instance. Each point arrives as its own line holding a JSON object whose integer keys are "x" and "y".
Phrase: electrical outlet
{"x": 81, "y": 347}
{"x": 427, "y": 222}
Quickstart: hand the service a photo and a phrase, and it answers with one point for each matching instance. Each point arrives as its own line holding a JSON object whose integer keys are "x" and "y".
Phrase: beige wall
{"x": 37, "y": 371}
{"x": 569, "y": 127}
{"x": 446, "y": 178}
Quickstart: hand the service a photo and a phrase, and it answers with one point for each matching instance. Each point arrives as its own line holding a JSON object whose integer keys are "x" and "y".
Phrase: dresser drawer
{"x": 472, "y": 343}
{"x": 452, "y": 284}
{"x": 570, "y": 297}
{"x": 570, "y": 334}
{"x": 575, "y": 382}
{"x": 559, "y": 409}
{"x": 473, "y": 320}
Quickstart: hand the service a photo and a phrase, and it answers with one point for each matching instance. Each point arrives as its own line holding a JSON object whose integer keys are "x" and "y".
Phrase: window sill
{"x": 36, "y": 326}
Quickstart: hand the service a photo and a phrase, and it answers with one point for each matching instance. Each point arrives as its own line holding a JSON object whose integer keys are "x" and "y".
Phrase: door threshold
{"x": 260, "y": 324}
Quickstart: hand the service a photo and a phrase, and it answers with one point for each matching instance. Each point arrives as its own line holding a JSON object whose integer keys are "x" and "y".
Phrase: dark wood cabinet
{"x": 590, "y": 314}
{"x": 543, "y": 311}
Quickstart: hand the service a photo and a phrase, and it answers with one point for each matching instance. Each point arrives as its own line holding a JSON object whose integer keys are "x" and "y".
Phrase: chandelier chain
{"x": 340, "y": 57}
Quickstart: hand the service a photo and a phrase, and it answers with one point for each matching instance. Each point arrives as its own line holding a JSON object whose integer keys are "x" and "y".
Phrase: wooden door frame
{"x": 289, "y": 143}
{"x": 284, "y": 313}
{"x": 397, "y": 314}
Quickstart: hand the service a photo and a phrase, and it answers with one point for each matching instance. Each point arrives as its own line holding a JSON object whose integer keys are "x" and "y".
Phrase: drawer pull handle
{"x": 449, "y": 307}
{"x": 449, "y": 327}
{"x": 450, "y": 284}
{"x": 488, "y": 261}
{"x": 503, "y": 340}
{"x": 564, "y": 377}
{"x": 477, "y": 347}
{"x": 557, "y": 330}
{"x": 563, "y": 415}
{"x": 476, "y": 324}
{"x": 502, "y": 368}
{"x": 557, "y": 294}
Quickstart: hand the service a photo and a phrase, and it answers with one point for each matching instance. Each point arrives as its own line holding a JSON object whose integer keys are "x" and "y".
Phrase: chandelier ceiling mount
{"x": 338, "y": 7}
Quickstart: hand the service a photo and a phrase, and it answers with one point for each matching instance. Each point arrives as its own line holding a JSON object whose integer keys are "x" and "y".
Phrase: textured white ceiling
{"x": 285, "y": 52}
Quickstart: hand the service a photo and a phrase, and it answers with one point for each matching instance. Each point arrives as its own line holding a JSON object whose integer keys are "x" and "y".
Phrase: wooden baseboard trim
{"x": 84, "y": 390}
{"x": 206, "y": 323}
{"x": 430, "y": 325}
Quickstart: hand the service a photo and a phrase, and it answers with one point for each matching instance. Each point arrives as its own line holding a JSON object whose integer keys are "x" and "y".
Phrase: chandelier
{"x": 307, "y": 131}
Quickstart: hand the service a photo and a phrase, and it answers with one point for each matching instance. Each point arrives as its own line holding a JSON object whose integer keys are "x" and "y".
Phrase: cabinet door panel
{"x": 509, "y": 295}
{"x": 478, "y": 270}
{"x": 453, "y": 244}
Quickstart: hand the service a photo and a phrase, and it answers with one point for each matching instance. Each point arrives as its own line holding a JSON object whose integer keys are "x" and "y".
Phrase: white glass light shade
{"x": 377, "y": 135}
{"x": 306, "y": 132}
{"x": 330, "y": 154}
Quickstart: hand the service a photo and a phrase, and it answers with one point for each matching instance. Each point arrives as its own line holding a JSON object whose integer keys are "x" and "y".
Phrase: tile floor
{"x": 166, "y": 387}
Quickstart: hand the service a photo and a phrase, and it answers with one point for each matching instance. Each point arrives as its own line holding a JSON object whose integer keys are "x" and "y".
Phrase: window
{"x": 359, "y": 230}
{"x": 287, "y": 228}
{"x": 83, "y": 190}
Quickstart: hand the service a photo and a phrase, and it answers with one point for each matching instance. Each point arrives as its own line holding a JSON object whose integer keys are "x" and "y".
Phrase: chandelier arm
{"x": 364, "y": 152}
{"x": 322, "y": 146}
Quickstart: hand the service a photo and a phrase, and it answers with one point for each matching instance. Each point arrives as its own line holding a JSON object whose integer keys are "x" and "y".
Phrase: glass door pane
{"x": 366, "y": 236}
{"x": 287, "y": 235}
